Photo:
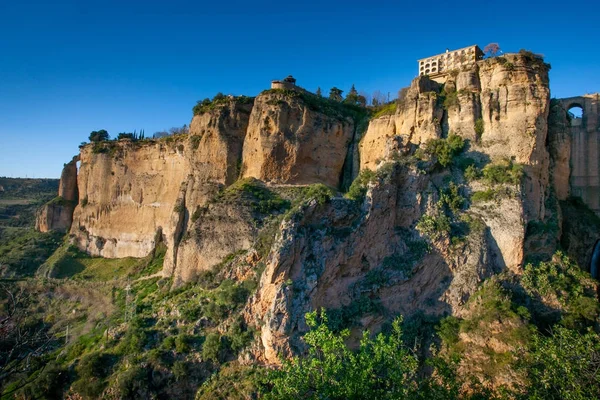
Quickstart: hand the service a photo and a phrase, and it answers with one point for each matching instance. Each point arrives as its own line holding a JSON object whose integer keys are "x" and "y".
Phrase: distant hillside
{"x": 22, "y": 250}
{"x": 20, "y": 198}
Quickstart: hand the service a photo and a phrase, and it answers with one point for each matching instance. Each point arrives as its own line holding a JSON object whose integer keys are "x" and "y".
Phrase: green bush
{"x": 358, "y": 188}
{"x": 450, "y": 99}
{"x": 381, "y": 368}
{"x": 563, "y": 281}
{"x": 451, "y": 198}
{"x": 262, "y": 200}
{"x": 132, "y": 383}
{"x": 444, "y": 150}
{"x": 563, "y": 365}
{"x": 180, "y": 370}
{"x": 483, "y": 195}
{"x": 479, "y": 128}
{"x": 92, "y": 371}
{"x": 506, "y": 172}
{"x": 472, "y": 173}
{"x": 182, "y": 343}
{"x": 239, "y": 335}
{"x": 321, "y": 193}
{"x": 212, "y": 347}
{"x": 195, "y": 141}
{"x": 434, "y": 227}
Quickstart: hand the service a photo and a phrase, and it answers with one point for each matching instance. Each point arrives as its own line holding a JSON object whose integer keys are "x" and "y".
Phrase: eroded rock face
{"x": 57, "y": 215}
{"x": 134, "y": 193}
{"x": 289, "y": 143}
{"x": 218, "y": 231}
{"x": 559, "y": 146}
{"x": 331, "y": 256}
{"x": 508, "y": 97}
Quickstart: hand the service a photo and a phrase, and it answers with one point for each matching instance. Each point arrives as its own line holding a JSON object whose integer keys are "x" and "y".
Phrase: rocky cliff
{"x": 466, "y": 182}
{"x": 58, "y": 214}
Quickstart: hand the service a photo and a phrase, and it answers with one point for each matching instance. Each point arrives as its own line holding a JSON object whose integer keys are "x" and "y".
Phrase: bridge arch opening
{"x": 575, "y": 112}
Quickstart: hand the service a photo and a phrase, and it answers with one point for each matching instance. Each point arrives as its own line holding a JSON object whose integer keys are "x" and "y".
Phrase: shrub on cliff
{"x": 381, "y": 368}
{"x": 503, "y": 172}
{"x": 563, "y": 366}
{"x": 99, "y": 136}
{"x": 443, "y": 150}
{"x": 560, "y": 281}
{"x": 358, "y": 188}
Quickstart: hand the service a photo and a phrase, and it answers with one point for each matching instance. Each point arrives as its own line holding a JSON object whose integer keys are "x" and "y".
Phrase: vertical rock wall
{"x": 58, "y": 213}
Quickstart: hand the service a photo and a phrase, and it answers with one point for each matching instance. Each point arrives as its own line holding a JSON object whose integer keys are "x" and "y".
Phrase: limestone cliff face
{"x": 508, "y": 99}
{"x": 559, "y": 146}
{"x": 347, "y": 256}
{"x": 343, "y": 256}
{"x": 58, "y": 213}
{"x": 133, "y": 194}
{"x": 287, "y": 142}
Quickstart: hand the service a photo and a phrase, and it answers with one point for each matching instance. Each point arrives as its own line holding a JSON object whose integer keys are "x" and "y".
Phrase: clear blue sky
{"x": 69, "y": 67}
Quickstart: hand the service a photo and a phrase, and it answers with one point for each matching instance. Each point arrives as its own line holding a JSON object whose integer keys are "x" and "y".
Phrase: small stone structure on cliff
{"x": 288, "y": 83}
{"x": 439, "y": 66}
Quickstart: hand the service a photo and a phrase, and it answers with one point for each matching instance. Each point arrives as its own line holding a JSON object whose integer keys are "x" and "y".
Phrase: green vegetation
{"x": 447, "y": 218}
{"x": 387, "y": 109}
{"x": 443, "y": 151}
{"x": 332, "y": 108}
{"x": 20, "y": 200}
{"x": 563, "y": 366}
{"x": 450, "y": 99}
{"x": 504, "y": 172}
{"x": 479, "y": 128}
{"x": 99, "y": 136}
{"x": 562, "y": 281}
{"x": 472, "y": 173}
{"x": 219, "y": 100}
{"x": 382, "y": 368}
{"x": 358, "y": 188}
{"x": 22, "y": 251}
{"x": 484, "y": 195}
{"x": 434, "y": 226}
{"x": 262, "y": 200}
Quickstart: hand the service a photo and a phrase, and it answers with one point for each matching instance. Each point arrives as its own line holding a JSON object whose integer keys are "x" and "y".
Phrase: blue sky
{"x": 70, "y": 67}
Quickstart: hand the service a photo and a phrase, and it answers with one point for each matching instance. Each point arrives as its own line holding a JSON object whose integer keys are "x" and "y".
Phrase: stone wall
{"x": 585, "y": 149}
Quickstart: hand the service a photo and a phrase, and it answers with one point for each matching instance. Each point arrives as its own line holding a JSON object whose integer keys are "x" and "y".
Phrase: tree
{"x": 381, "y": 368}
{"x": 335, "y": 94}
{"x": 491, "y": 49}
{"x": 352, "y": 97}
{"x": 362, "y": 100}
{"x": 318, "y": 93}
{"x": 366, "y": 96}
{"x": 564, "y": 365}
{"x": 219, "y": 96}
{"x": 125, "y": 135}
{"x": 179, "y": 131}
{"x": 379, "y": 98}
{"x": 99, "y": 136}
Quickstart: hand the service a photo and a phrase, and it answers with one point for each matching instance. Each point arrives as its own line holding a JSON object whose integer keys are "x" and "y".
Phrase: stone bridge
{"x": 585, "y": 149}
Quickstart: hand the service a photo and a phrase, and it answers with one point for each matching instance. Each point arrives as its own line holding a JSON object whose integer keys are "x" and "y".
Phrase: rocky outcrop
{"x": 135, "y": 193}
{"x": 368, "y": 258}
{"x": 288, "y": 142}
{"x": 501, "y": 106}
{"x": 57, "y": 214}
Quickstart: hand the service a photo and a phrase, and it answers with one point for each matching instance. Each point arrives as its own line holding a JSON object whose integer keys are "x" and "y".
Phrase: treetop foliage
{"x": 99, "y": 136}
